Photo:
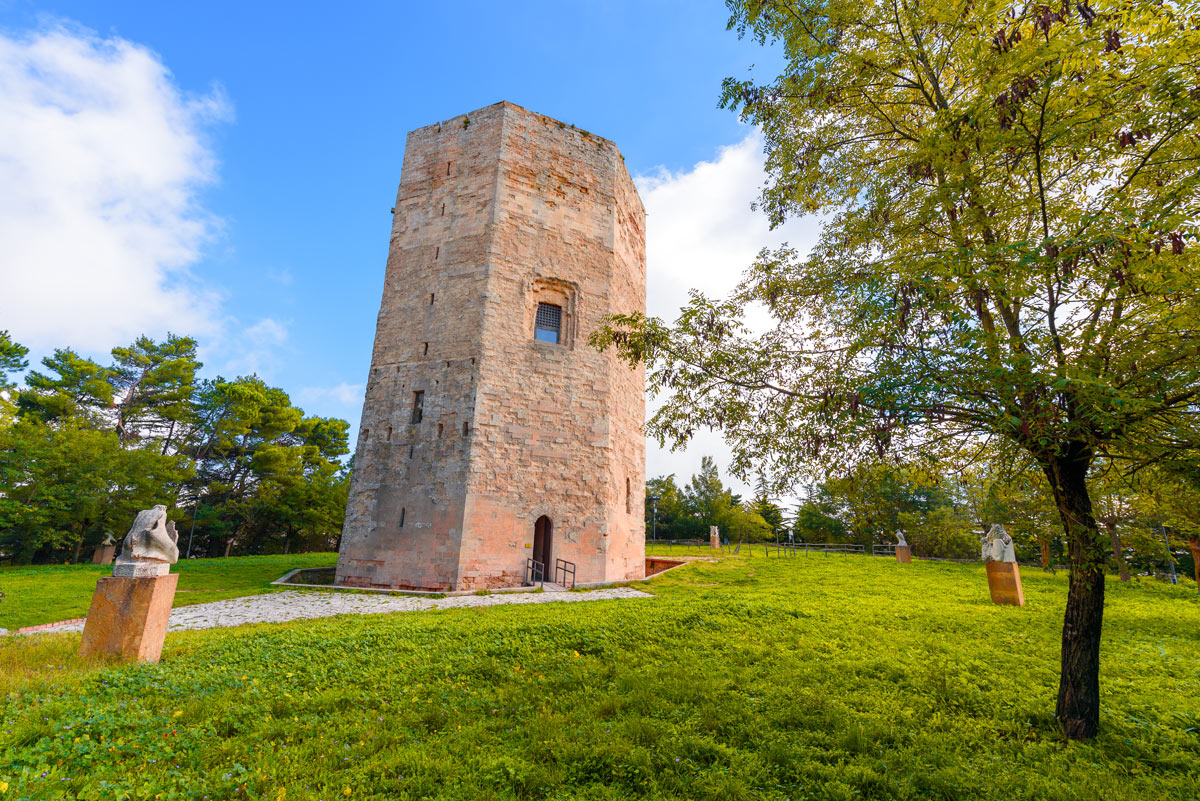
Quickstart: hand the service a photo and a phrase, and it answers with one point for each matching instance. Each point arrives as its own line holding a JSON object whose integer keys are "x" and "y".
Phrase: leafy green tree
{"x": 768, "y": 510}
{"x": 1009, "y": 192}
{"x": 153, "y": 388}
{"x": 80, "y": 391}
{"x": 12, "y": 360}
{"x": 816, "y": 520}
{"x": 707, "y": 500}
{"x": 255, "y": 456}
{"x": 672, "y": 517}
{"x": 60, "y": 484}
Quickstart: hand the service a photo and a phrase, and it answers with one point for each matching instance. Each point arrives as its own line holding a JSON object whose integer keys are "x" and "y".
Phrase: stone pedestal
{"x": 103, "y": 555}
{"x": 129, "y": 617}
{"x": 714, "y": 537}
{"x": 904, "y": 553}
{"x": 1004, "y": 581}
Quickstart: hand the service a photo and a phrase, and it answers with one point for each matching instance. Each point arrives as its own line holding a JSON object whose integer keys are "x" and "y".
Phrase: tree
{"x": 1008, "y": 196}
{"x": 768, "y": 510}
{"x": 59, "y": 484}
{"x": 153, "y": 386}
{"x": 80, "y": 392}
{"x": 12, "y": 360}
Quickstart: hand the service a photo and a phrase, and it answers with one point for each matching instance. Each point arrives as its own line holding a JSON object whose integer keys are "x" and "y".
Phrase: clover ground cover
{"x": 814, "y": 677}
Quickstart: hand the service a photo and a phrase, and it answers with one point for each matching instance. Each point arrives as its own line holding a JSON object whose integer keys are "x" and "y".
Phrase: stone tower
{"x": 491, "y": 432}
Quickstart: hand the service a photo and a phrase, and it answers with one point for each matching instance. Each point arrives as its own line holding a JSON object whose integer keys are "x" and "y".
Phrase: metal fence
{"x": 682, "y": 547}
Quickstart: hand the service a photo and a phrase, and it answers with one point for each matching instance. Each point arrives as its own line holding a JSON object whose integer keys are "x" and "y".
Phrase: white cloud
{"x": 702, "y": 234}
{"x": 255, "y": 348}
{"x": 101, "y": 159}
{"x": 344, "y": 398}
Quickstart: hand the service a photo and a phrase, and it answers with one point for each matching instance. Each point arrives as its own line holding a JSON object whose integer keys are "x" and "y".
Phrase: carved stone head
{"x": 149, "y": 549}
{"x": 998, "y": 545}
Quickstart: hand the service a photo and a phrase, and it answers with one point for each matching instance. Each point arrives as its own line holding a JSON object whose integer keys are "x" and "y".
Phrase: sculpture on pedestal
{"x": 900, "y": 537}
{"x": 131, "y": 608}
{"x": 1000, "y": 559}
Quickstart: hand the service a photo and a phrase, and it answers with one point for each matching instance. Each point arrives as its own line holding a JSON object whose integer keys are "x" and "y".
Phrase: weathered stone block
{"x": 104, "y": 554}
{"x": 129, "y": 617}
{"x": 904, "y": 553}
{"x": 1004, "y": 582}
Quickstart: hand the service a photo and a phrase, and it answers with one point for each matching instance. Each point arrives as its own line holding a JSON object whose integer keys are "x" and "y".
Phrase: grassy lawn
{"x": 816, "y": 677}
{"x": 48, "y": 593}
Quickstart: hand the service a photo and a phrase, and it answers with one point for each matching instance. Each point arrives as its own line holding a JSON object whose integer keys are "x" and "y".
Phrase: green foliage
{"x": 49, "y": 593}
{"x": 58, "y": 484}
{"x": 96, "y": 443}
{"x": 687, "y": 514}
{"x": 1009, "y": 201}
{"x": 12, "y": 358}
{"x": 814, "y": 677}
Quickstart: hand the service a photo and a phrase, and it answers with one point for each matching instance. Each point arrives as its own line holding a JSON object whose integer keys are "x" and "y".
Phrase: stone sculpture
{"x": 998, "y": 545}
{"x": 150, "y": 547}
{"x": 109, "y": 539}
{"x": 900, "y": 537}
{"x": 131, "y": 608}
{"x": 1000, "y": 559}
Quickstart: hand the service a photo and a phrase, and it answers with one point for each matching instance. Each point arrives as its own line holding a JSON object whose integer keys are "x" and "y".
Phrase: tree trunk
{"x": 1194, "y": 545}
{"x": 1045, "y": 556}
{"x": 1116, "y": 545}
{"x": 1078, "y": 708}
{"x": 78, "y": 548}
{"x": 229, "y": 545}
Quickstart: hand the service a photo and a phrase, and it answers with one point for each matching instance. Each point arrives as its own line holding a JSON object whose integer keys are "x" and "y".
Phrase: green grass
{"x": 49, "y": 593}
{"x": 818, "y": 677}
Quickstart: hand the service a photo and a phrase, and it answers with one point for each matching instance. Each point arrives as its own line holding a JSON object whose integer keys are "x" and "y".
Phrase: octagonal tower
{"x": 491, "y": 432}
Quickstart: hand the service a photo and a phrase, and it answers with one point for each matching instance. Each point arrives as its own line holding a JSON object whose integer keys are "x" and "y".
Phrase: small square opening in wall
{"x": 389, "y": 434}
{"x": 418, "y": 410}
{"x": 426, "y": 349}
{"x": 401, "y": 517}
{"x": 439, "y": 429}
{"x": 430, "y": 298}
{"x": 548, "y": 325}
{"x": 464, "y": 428}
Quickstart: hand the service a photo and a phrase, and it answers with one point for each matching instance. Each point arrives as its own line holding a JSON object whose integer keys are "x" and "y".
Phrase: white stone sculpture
{"x": 998, "y": 545}
{"x": 150, "y": 547}
{"x": 109, "y": 539}
{"x": 900, "y": 538}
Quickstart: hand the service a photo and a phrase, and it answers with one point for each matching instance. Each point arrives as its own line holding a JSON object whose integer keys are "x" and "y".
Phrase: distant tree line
{"x": 942, "y": 515}
{"x": 84, "y": 446}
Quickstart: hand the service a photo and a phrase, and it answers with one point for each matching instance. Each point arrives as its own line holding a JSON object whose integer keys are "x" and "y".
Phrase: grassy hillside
{"x": 48, "y": 593}
{"x": 819, "y": 677}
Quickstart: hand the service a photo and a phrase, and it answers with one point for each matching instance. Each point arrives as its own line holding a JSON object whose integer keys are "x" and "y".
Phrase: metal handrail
{"x": 567, "y": 568}
{"x": 535, "y": 572}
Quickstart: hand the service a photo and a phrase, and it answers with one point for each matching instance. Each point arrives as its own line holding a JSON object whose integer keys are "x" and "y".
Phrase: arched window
{"x": 548, "y": 327}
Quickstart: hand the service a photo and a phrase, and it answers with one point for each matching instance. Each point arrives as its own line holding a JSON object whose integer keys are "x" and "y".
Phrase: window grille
{"x": 549, "y": 323}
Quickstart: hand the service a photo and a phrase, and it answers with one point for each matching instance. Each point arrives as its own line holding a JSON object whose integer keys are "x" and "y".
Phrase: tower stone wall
{"x": 498, "y": 211}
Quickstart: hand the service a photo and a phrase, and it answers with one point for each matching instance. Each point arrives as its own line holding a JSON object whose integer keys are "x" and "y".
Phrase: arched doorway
{"x": 543, "y": 531}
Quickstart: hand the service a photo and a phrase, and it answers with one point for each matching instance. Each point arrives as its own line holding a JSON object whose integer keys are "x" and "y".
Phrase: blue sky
{"x": 226, "y": 169}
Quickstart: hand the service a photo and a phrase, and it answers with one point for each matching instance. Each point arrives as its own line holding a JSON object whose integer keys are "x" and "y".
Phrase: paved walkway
{"x": 279, "y": 607}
